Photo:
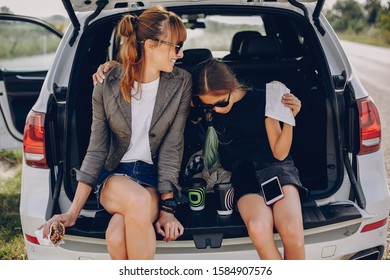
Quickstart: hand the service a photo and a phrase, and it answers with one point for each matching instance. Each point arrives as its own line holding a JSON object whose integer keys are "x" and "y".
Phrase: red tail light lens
{"x": 374, "y": 226}
{"x": 34, "y": 140}
{"x": 370, "y": 126}
{"x": 31, "y": 239}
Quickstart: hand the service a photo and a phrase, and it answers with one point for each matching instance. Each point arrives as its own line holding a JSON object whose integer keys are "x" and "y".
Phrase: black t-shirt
{"x": 241, "y": 132}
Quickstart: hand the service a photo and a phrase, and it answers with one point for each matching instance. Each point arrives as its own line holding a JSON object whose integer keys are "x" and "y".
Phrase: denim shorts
{"x": 140, "y": 172}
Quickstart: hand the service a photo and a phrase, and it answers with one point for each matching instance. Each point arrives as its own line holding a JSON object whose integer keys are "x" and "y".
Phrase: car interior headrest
{"x": 239, "y": 37}
{"x": 259, "y": 48}
{"x": 195, "y": 56}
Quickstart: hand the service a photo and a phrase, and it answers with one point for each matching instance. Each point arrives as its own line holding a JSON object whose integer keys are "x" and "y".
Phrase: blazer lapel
{"x": 125, "y": 107}
{"x": 169, "y": 84}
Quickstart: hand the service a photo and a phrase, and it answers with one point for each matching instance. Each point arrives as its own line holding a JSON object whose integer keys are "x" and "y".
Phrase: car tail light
{"x": 31, "y": 239}
{"x": 370, "y": 126}
{"x": 375, "y": 225}
{"x": 34, "y": 140}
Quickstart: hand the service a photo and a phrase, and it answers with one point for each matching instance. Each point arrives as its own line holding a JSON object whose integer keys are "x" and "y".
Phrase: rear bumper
{"x": 339, "y": 243}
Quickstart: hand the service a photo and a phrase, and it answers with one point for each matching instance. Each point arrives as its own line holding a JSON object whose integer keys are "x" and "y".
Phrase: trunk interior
{"x": 300, "y": 64}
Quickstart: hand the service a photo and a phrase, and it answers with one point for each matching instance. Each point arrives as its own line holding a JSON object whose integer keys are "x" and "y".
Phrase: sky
{"x": 45, "y": 8}
{"x": 35, "y": 8}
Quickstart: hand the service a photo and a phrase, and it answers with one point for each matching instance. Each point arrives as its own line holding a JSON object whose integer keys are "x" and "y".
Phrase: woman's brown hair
{"x": 155, "y": 23}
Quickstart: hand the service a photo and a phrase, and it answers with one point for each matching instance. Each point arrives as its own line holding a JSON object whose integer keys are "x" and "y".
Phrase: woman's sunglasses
{"x": 178, "y": 47}
{"x": 220, "y": 104}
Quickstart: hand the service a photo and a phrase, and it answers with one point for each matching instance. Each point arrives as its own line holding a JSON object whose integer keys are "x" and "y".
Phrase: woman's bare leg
{"x": 258, "y": 219}
{"x": 116, "y": 238}
{"x": 139, "y": 208}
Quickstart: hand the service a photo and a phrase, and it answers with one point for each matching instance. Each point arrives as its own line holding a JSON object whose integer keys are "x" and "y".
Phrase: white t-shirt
{"x": 142, "y": 105}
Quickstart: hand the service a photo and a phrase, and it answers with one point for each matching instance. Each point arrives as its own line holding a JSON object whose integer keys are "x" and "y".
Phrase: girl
{"x": 254, "y": 148}
{"x": 136, "y": 142}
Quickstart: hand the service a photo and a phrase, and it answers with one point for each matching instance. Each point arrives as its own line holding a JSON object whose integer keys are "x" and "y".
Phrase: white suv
{"x": 336, "y": 147}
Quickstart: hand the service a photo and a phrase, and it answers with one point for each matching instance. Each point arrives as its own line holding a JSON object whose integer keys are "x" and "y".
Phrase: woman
{"x": 139, "y": 113}
{"x": 254, "y": 148}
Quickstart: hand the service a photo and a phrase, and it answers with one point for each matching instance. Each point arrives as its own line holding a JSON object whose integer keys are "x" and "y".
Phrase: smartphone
{"x": 272, "y": 190}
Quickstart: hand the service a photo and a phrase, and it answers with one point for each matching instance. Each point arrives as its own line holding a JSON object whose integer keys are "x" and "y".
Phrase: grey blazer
{"x": 111, "y": 128}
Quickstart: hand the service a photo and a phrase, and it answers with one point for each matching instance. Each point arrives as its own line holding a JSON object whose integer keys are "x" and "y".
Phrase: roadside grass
{"x": 371, "y": 37}
{"x": 11, "y": 239}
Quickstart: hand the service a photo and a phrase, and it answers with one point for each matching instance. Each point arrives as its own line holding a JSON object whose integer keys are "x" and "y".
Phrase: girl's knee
{"x": 291, "y": 231}
{"x": 258, "y": 227}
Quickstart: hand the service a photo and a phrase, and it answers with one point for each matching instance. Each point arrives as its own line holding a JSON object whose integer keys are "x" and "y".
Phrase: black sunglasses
{"x": 178, "y": 47}
{"x": 220, "y": 104}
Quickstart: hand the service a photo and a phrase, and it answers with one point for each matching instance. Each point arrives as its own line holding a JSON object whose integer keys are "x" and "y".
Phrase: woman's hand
{"x": 168, "y": 226}
{"x": 66, "y": 218}
{"x": 292, "y": 102}
{"x": 102, "y": 69}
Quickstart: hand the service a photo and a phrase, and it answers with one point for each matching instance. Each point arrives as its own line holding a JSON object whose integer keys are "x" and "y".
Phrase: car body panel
{"x": 322, "y": 242}
{"x": 88, "y": 6}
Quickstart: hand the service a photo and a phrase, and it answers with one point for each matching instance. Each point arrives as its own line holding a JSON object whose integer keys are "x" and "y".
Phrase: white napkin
{"x": 42, "y": 241}
{"x": 274, "y": 108}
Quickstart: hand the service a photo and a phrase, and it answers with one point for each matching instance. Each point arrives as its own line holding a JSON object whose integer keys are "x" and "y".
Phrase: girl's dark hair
{"x": 213, "y": 76}
{"x": 155, "y": 23}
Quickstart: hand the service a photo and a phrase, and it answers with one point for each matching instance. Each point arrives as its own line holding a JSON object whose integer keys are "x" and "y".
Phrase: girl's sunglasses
{"x": 178, "y": 47}
{"x": 220, "y": 104}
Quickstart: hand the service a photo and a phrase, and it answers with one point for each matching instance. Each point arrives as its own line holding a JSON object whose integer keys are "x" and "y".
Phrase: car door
{"x": 27, "y": 49}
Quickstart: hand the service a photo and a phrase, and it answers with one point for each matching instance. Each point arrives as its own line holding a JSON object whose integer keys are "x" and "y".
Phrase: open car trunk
{"x": 300, "y": 65}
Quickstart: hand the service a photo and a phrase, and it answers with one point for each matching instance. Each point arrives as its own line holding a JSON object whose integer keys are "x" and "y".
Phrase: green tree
{"x": 347, "y": 15}
{"x": 373, "y": 8}
{"x": 384, "y": 22}
{"x": 5, "y": 10}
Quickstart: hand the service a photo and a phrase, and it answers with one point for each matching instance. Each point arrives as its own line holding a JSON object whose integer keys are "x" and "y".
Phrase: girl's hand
{"x": 292, "y": 102}
{"x": 102, "y": 69}
{"x": 168, "y": 226}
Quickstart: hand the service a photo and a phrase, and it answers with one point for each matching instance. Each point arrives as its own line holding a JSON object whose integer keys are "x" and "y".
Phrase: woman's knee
{"x": 140, "y": 201}
{"x": 123, "y": 196}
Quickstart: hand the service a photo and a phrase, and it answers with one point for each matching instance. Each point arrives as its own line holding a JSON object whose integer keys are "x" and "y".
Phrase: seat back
{"x": 236, "y": 43}
{"x": 259, "y": 62}
{"x": 192, "y": 57}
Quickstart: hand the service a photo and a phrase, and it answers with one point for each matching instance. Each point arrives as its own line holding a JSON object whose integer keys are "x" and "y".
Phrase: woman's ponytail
{"x": 129, "y": 53}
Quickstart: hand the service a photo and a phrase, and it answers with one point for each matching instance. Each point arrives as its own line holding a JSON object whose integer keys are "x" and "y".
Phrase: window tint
{"x": 225, "y": 27}
{"x": 26, "y": 46}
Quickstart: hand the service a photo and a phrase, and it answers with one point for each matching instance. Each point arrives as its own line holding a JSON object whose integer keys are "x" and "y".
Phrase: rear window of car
{"x": 201, "y": 31}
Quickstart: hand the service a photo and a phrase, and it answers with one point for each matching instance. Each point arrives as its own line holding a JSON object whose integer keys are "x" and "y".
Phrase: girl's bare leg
{"x": 258, "y": 219}
{"x": 289, "y": 224}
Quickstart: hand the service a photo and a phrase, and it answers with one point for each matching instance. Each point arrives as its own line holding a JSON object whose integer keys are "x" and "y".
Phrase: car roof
{"x": 97, "y": 6}
{"x": 94, "y": 5}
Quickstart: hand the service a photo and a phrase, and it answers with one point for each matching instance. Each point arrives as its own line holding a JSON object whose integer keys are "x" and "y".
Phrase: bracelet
{"x": 167, "y": 209}
{"x": 168, "y": 205}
